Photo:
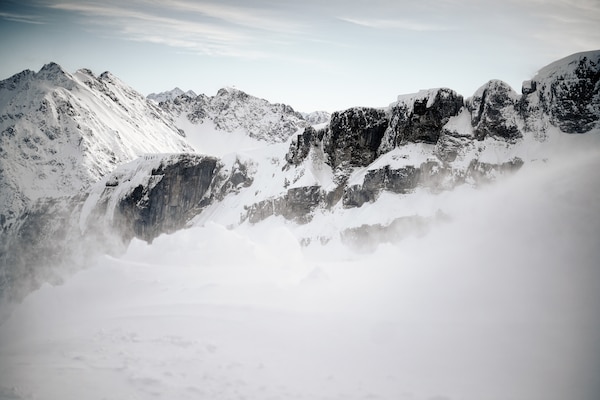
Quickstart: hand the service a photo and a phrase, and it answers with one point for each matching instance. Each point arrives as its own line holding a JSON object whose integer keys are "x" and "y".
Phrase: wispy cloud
{"x": 207, "y": 28}
{"x": 255, "y": 18}
{"x": 399, "y": 24}
{"x": 27, "y": 19}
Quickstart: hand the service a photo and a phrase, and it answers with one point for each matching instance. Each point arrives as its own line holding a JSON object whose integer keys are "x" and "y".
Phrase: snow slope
{"x": 498, "y": 302}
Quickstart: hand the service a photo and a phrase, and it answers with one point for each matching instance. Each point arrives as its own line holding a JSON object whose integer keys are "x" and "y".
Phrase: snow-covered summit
{"x": 170, "y": 95}
{"x": 568, "y": 91}
{"x": 234, "y": 111}
{"x": 571, "y": 66}
{"x": 61, "y": 131}
{"x": 317, "y": 117}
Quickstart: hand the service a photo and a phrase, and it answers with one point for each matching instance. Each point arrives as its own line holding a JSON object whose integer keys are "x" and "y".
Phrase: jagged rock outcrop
{"x": 174, "y": 191}
{"x": 161, "y": 194}
{"x": 494, "y": 113}
{"x": 568, "y": 91}
{"x": 296, "y": 204}
{"x": 400, "y": 180}
{"x": 420, "y": 117}
{"x": 430, "y": 174}
{"x": 353, "y": 136}
{"x": 301, "y": 145}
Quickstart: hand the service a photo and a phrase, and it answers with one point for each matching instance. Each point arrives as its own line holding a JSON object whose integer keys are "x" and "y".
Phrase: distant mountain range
{"x": 86, "y": 159}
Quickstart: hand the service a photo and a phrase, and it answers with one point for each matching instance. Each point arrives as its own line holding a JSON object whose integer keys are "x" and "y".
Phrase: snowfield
{"x": 498, "y": 301}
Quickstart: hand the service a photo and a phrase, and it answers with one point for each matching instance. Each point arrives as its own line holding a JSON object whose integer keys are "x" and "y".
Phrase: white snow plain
{"x": 499, "y": 302}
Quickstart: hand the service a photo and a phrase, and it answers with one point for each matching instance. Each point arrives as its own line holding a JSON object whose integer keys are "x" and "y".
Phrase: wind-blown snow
{"x": 498, "y": 302}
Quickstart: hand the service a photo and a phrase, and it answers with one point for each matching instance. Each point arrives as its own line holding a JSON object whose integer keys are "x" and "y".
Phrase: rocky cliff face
{"x": 463, "y": 135}
{"x": 420, "y": 117}
{"x": 353, "y": 136}
{"x": 494, "y": 112}
{"x": 567, "y": 92}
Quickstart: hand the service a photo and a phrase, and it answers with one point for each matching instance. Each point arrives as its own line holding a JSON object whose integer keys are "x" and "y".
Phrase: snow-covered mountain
{"x": 374, "y": 242}
{"x": 233, "y": 111}
{"x": 170, "y": 95}
{"x": 60, "y": 132}
{"x": 317, "y": 117}
{"x": 365, "y": 173}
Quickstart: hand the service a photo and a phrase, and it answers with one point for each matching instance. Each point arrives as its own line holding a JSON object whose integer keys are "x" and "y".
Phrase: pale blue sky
{"x": 311, "y": 54}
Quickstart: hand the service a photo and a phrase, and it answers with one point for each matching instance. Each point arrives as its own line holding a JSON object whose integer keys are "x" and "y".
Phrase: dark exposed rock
{"x": 528, "y": 87}
{"x": 300, "y": 146}
{"x": 353, "y": 136}
{"x": 482, "y": 172}
{"x": 430, "y": 174}
{"x": 297, "y": 204}
{"x": 420, "y": 117}
{"x": 400, "y": 180}
{"x": 493, "y": 110}
{"x": 169, "y": 201}
{"x": 569, "y": 91}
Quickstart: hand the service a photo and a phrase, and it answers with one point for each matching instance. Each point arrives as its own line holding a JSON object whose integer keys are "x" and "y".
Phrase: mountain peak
{"x": 54, "y": 72}
{"x": 52, "y": 67}
{"x": 87, "y": 72}
{"x": 170, "y": 95}
{"x": 231, "y": 91}
{"x": 586, "y": 59}
{"x": 14, "y": 81}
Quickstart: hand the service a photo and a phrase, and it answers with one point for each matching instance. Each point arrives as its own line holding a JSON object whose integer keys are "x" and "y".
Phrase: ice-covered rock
{"x": 494, "y": 113}
{"x": 568, "y": 91}
{"x": 420, "y": 117}
{"x": 300, "y": 145}
{"x": 296, "y": 204}
{"x": 353, "y": 136}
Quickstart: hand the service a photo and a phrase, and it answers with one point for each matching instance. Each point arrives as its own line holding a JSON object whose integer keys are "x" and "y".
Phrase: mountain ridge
{"x": 433, "y": 141}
